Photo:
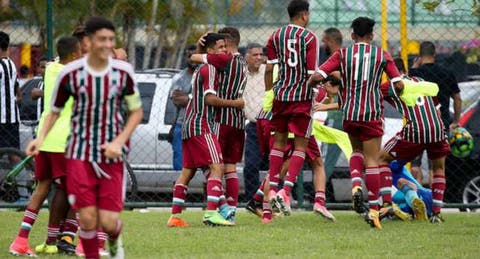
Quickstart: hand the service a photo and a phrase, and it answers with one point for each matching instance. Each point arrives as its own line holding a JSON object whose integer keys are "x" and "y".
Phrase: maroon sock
{"x": 294, "y": 168}
{"x": 372, "y": 180}
{"x": 231, "y": 188}
{"x": 29, "y": 218}
{"x": 320, "y": 197}
{"x": 356, "y": 168}
{"x": 275, "y": 166}
{"x": 214, "y": 191}
{"x": 178, "y": 201}
{"x": 115, "y": 233}
{"x": 438, "y": 188}
{"x": 90, "y": 243}
{"x": 258, "y": 196}
{"x": 52, "y": 233}
{"x": 102, "y": 237}
{"x": 385, "y": 183}
{"x": 70, "y": 227}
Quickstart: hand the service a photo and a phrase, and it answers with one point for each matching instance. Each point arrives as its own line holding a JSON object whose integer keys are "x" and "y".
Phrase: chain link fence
{"x": 157, "y": 33}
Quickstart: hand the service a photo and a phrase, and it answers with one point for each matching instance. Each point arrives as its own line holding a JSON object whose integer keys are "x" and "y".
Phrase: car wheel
{"x": 471, "y": 192}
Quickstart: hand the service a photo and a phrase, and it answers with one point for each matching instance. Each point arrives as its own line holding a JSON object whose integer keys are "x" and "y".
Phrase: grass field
{"x": 303, "y": 235}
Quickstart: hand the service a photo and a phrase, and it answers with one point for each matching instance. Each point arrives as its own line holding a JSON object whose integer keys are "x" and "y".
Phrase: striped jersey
{"x": 232, "y": 70}
{"x": 361, "y": 66}
{"x": 264, "y": 115}
{"x": 423, "y": 121}
{"x": 200, "y": 117}
{"x": 98, "y": 110}
{"x": 295, "y": 49}
{"x": 9, "y": 112}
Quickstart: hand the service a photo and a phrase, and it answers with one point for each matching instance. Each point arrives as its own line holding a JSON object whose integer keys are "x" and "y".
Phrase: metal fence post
{"x": 49, "y": 29}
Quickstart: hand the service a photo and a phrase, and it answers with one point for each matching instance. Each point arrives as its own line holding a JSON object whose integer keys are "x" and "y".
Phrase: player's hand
{"x": 239, "y": 103}
{"x": 33, "y": 147}
{"x": 201, "y": 40}
{"x": 320, "y": 107}
{"x": 454, "y": 125}
{"x": 112, "y": 149}
{"x": 315, "y": 79}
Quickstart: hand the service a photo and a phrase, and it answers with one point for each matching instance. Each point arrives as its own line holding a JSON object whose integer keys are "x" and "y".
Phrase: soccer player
{"x": 200, "y": 145}
{"x": 424, "y": 130}
{"x": 50, "y": 164}
{"x": 233, "y": 78}
{"x": 95, "y": 150}
{"x": 361, "y": 66}
{"x": 295, "y": 49}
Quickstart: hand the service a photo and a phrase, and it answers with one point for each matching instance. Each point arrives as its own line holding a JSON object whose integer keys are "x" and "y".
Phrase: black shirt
{"x": 447, "y": 84}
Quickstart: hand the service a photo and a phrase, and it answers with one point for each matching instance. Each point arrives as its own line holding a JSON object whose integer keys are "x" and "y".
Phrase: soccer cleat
{"x": 436, "y": 218}
{"x": 419, "y": 209}
{"x": 266, "y": 220}
{"x": 103, "y": 252}
{"x": 66, "y": 246}
{"x": 373, "y": 219}
{"x": 255, "y": 207}
{"x": 115, "y": 248}
{"x": 228, "y": 213}
{"x": 284, "y": 202}
{"x": 272, "y": 197}
{"x": 46, "y": 249}
{"x": 357, "y": 199}
{"x": 322, "y": 211}
{"x": 79, "y": 249}
{"x": 20, "y": 247}
{"x": 393, "y": 211}
{"x": 176, "y": 222}
{"x": 213, "y": 218}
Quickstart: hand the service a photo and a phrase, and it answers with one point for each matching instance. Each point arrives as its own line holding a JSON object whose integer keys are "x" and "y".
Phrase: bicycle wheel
{"x": 17, "y": 172}
{"x": 131, "y": 183}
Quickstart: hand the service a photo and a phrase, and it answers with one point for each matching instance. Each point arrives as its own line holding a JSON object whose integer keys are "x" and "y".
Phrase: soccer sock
{"x": 232, "y": 188}
{"x": 102, "y": 237}
{"x": 267, "y": 210}
{"x": 409, "y": 194}
{"x": 28, "y": 220}
{"x": 386, "y": 184}
{"x": 372, "y": 179}
{"x": 178, "y": 201}
{"x": 214, "y": 191}
{"x": 356, "y": 169}
{"x": 90, "y": 243}
{"x": 275, "y": 166}
{"x": 294, "y": 168}
{"x": 258, "y": 196}
{"x": 438, "y": 188}
{"x": 320, "y": 197}
{"x": 52, "y": 233}
{"x": 70, "y": 227}
{"x": 116, "y": 233}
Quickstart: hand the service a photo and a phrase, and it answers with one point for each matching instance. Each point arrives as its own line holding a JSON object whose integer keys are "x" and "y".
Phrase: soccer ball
{"x": 461, "y": 142}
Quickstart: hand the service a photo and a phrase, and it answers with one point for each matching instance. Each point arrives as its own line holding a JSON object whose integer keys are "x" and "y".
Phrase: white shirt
{"x": 254, "y": 93}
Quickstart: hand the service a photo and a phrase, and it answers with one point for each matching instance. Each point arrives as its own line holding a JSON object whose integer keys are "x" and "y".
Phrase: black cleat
{"x": 436, "y": 219}
{"x": 66, "y": 246}
{"x": 255, "y": 207}
{"x": 357, "y": 199}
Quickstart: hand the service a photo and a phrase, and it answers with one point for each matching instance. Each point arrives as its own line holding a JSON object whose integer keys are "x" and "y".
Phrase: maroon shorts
{"x": 407, "y": 151}
{"x": 264, "y": 136}
{"x": 86, "y": 189}
{"x": 232, "y": 141}
{"x": 363, "y": 130}
{"x": 201, "y": 151}
{"x": 292, "y": 117}
{"x": 49, "y": 165}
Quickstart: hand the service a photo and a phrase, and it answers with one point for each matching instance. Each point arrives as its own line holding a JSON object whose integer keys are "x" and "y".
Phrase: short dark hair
{"x": 333, "y": 80}
{"x": 212, "y": 38}
{"x": 79, "y": 32}
{"x": 295, "y": 7}
{"x": 362, "y": 26}
{"x": 4, "y": 40}
{"x": 97, "y": 23}
{"x": 427, "y": 49}
{"x": 400, "y": 64}
{"x": 233, "y": 33}
{"x": 335, "y": 34}
{"x": 66, "y": 46}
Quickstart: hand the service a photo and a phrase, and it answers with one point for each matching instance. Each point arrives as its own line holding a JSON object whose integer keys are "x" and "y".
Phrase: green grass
{"x": 303, "y": 235}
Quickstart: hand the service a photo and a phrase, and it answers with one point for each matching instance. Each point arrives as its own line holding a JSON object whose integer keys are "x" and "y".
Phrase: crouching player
{"x": 99, "y": 85}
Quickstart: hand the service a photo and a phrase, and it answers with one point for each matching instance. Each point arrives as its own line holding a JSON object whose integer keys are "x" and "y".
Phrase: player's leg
{"x": 267, "y": 213}
{"x": 438, "y": 188}
{"x": 357, "y": 166}
{"x": 214, "y": 191}
{"x": 371, "y": 150}
{"x": 319, "y": 183}
{"x": 179, "y": 194}
{"x": 276, "y": 159}
{"x": 409, "y": 190}
{"x": 67, "y": 237}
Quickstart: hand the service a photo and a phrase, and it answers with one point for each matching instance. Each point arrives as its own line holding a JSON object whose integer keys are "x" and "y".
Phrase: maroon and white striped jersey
{"x": 232, "y": 70}
{"x": 361, "y": 66}
{"x": 423, "y": 121}
{"x": 295, "y": 49}
{"x": 199, "y": 117}
{"x": 98, "y": 109}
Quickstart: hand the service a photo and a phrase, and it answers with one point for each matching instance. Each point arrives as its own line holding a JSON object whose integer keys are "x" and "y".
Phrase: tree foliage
{"x": 432, "y": 5}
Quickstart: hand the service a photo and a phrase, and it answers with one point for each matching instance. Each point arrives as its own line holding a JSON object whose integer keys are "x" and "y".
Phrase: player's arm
{"x": 208, "y": 74}
{"x": 392, "y": 72}
{"x": 331, "y": 65}
{"x": 213, "y": 100}
{"x": 319, "y": 107}
{"x": 272, "y": 59}
{"x": 219, "y": 60}
{"x": 457, "y": 108}
{"x": 132, "y": 98}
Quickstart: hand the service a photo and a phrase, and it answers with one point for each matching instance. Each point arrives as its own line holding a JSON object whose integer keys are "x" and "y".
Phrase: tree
{"x": 432, "y": 5}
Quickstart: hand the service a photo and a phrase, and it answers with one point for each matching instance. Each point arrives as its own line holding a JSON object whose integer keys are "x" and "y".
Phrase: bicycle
{"x": 19, "y": 176}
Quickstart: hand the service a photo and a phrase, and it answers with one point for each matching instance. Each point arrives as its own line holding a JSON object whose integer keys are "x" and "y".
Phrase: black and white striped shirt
{"x": 8, "y": 102}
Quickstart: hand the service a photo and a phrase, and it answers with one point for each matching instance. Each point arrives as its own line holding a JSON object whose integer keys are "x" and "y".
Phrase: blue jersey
{"x": 399, "y": 197}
